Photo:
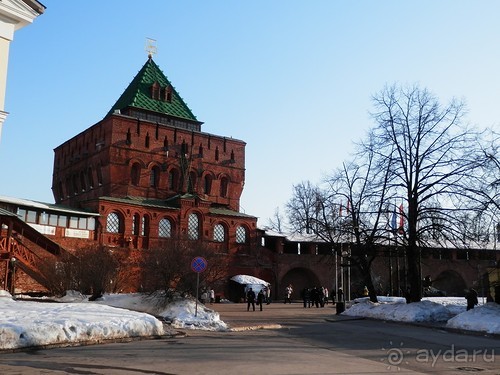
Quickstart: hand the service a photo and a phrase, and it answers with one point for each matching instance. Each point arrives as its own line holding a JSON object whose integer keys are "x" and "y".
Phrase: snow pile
{"x": 423, "y": 311}
{"x": 485, "y": 318}
{"x": 185, "y": 314}
{"x": 26, "y": 324}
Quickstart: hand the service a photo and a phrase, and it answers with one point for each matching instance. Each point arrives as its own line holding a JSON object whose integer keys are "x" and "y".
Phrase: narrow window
{"x": 90, "y": 178}
{"x": 241, "y": 235}
{"x": 155, "y": 91}
{"x": 173, "y": 180}
{"x": 113, "y": 223}
{"x": 168, "y": 94}
{"x": 75, "y": 184}
{"x": 217, "y": 153}
{"x": 223, "y": 187}
{"x": 135, "y": 174}
{"x": 219, "y": 233}
{"x": 129, "y": 137}
{"x": 165, "y": 228}
{"x": 192, "y": 182}
{"x": 154, "y": 176}
{"x": 83, "y": 183}
{"x": 193, "y": 227}
{"x": 135, "y": 224}
{"x": 208, "y": 184}
{"x": 99, "y": 174}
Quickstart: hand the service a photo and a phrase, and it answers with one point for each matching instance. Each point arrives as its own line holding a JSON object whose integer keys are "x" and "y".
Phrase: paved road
{"x": 310, "y": 341}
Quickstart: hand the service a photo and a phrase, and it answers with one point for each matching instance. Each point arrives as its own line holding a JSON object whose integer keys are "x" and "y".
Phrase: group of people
{"x": 262, "y": 297}
{"x": 317, "y": 296}
{"x": 208, "y": 295}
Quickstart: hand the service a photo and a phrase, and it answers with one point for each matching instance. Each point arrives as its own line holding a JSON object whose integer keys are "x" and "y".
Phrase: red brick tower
{"x": 151, "y": 173}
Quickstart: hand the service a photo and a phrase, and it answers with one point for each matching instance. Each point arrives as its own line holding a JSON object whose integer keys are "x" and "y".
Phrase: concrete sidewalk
{"x": 272, "y": 316}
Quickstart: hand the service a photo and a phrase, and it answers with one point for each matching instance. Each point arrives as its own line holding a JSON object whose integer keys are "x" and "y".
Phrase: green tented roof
{"x": 138, "y": 94}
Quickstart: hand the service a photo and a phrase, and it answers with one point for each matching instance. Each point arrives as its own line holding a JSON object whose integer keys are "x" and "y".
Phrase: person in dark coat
{"x": 260, "y": 299}
{"x": 250, "y": 299}
{"x": 305, "y": 294}
{"x": 471, "y": 298}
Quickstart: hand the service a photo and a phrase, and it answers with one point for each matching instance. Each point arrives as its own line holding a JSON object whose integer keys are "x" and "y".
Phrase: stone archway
{"x": 300, "y": 278}
{"x": 451, "y": 282}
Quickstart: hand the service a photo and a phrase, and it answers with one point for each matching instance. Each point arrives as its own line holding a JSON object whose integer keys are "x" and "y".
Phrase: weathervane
{"x": 150, "y": 47}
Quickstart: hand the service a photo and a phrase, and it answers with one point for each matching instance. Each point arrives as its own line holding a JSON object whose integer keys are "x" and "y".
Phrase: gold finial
{"x": 150, "y": 47}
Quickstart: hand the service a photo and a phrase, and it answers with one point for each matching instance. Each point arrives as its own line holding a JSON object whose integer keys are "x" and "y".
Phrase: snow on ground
{"x": 74, "y": 319}
{"x": 452, "y": 310}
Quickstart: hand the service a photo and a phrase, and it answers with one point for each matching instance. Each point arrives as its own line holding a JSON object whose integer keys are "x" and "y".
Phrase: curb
{"x": 255, "y": 328}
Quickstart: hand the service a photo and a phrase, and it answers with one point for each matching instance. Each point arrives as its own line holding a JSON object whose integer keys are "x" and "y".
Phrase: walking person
{"x": 288, "y": 294}
{"x": 268, "y": 294}
{"x": 211, "y": 292}
{"x": 260, "y": 299}
{"x": 471, "y": 298}
{"x": 325, "y": 293}
{"x": 305, "y": 296}
{"x": 250, "y": 299}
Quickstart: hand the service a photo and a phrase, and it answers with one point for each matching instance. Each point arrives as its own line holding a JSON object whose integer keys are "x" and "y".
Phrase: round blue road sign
{"x": 199, "y": 264}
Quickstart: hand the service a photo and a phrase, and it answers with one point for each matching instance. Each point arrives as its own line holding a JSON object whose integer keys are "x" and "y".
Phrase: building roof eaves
{"x": 45, "y": 206}
{"x": 139, "y": 201}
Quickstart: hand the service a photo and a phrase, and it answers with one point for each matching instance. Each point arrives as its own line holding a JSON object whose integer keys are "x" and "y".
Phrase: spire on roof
{"x": 151, "y": 47}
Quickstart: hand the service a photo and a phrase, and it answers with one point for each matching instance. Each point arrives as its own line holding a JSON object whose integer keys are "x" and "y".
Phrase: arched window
{"x": 113, "y": 223}
{"x": 135, "y": 224}
{"x": 241, "y": 235}
{"x": 173, "y": 179}
{"x": 135, "y": 174}
{"x": 208, "y": 184}
{"x": 145, "y": 226}
{"x": 154, "y": 176}
{"x": 219, "y": 233}
{"x": 192, "y": 182}
{"x": 223, "y": 187}
{"x": 165, "y": 228}
{"x": 193, "y": 227}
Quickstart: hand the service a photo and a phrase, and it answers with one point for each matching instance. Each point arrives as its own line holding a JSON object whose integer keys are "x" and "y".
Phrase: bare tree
{"x": 168, "y": 268}
{"x": 276, "y": 222}
{"x": 347, "y": 210}
{"x": 433, "y": 160}
{"x": 92, "y": 270}
{"x": 303, "y": 208}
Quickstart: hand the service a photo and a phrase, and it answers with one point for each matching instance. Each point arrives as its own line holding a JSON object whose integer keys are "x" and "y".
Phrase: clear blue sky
{"x": 291, "y": 78}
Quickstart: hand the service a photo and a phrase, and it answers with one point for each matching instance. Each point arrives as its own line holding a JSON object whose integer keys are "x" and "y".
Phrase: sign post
{"x": 198, "y": 264}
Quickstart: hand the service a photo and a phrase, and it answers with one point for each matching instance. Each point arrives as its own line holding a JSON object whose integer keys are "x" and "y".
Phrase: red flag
{"x": 401, "y": 218}
{"x": 347, "y": 208}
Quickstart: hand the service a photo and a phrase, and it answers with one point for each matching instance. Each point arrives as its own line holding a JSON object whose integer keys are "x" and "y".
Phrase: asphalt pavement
{"x": 275, "y": 315}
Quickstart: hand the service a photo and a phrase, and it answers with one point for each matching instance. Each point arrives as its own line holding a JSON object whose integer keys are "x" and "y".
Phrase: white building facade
{"x": 14, "y": 15}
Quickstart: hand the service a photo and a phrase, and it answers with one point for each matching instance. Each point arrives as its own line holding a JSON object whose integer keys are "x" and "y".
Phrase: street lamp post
{"x": 346, "y": 254}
